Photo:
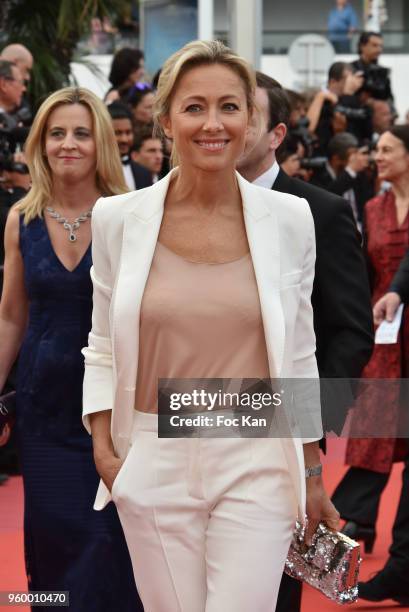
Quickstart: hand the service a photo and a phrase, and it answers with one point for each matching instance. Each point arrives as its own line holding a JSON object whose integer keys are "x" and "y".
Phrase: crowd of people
{"x": 340, "y": 150}
{"x": 145, "y": 157}
{"x": 334, "y": 131}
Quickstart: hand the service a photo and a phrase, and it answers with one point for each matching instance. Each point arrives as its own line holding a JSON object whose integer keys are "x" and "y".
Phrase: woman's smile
{"x": 212, "y": 145}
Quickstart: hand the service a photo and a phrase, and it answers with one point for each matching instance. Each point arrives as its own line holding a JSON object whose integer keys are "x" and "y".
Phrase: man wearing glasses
{"x": 12, "y": 88}
{"x": 21, "y": 57}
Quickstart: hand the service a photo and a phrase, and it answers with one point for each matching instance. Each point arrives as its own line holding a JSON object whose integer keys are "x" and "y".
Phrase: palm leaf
{"x": 51, "y": 29}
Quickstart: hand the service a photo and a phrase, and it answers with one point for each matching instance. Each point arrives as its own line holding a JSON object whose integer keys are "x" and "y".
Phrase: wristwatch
{"x": 315, "y": 470}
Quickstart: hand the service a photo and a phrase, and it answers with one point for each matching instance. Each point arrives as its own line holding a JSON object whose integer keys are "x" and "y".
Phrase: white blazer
{"x": 125, "y": 228}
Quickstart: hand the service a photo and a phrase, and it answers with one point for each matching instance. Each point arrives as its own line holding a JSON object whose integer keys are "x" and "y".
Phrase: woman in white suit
{"x": 205, "y": 276}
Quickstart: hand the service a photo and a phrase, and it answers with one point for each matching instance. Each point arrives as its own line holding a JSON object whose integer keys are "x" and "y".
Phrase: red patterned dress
{"x": 387, "y": 243}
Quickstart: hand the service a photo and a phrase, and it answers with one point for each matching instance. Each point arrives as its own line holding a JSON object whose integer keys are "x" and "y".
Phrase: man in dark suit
{"x": 136, "y": 176}
{"x": 344, "y": 175}
{"x": 377, "y": 83}
{"x": 341, "y": 297}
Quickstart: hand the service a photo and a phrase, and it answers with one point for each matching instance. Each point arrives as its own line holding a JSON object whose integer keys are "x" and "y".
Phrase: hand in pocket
{"x": 108, "y": 468}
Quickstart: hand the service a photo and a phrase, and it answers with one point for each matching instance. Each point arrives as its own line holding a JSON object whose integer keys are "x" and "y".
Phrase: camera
{"x": 301, "y": 132}
{"x": 376, "y": 81}
{"x": 313, "y": 163}
{"x": 9, "y": 165}
{"x": 9, "y": 139}
{"x": 351, "y": 113}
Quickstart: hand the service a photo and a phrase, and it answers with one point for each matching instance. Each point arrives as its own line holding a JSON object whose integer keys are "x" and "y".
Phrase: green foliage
{"x": 51, "y": 29}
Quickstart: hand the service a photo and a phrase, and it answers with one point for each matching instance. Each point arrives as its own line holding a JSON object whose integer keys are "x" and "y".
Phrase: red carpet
{"x": 334, "y": 469}
{"x": 12, "y": 576}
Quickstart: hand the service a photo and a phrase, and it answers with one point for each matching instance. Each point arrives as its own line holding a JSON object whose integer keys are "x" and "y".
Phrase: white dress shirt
{"x": 268, "y": 178}
{"x": 128, "y": 176}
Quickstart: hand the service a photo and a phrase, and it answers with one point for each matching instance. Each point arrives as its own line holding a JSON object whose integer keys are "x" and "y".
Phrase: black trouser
{"x": 358, "y": 495}
{"x": 357, "y": 499}
{"x": 399, "y": 549}
{"x": 289, "y": 595}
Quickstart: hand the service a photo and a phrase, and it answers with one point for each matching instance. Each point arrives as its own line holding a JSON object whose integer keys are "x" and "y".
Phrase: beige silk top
{"x": 198, "y": 320}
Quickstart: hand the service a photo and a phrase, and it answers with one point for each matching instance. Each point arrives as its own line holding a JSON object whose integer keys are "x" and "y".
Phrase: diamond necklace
{"x": 70, "y": 227}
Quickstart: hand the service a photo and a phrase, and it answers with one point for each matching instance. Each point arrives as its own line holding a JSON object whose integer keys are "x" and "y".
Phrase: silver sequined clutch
{"x": 330, "y": 564}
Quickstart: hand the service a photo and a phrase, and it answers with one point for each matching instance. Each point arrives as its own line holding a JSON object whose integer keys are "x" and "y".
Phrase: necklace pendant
{"x": 70, "y": 227}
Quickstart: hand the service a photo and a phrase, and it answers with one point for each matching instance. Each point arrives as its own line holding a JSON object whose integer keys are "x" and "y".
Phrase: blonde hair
{"x": 198, "y": 53}
{"x": 109, "y": 173}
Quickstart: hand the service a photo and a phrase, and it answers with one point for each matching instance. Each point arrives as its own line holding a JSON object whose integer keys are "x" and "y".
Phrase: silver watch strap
{"x": 315, "y": 470}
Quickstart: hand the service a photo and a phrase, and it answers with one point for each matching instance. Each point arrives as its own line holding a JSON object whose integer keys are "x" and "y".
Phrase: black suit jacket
{"x": 341, "y": 296}
{"x": 361, "y": 186}
{"x": 400, "y": 282}
{"x": 141, "y": 175}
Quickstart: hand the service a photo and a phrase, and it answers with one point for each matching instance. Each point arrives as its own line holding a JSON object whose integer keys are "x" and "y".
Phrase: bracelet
{"x": 315, "y": 470}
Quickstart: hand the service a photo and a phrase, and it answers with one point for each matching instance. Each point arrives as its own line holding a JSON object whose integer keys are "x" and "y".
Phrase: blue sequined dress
{"x": 68, "y": 545}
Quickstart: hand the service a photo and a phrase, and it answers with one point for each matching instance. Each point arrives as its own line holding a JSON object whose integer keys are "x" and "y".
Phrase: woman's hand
{"x": 108, "y": 466}
{"x": 106, "y": 461}
{"x": 386, "y": 307}
{"x": 319, "y": 508}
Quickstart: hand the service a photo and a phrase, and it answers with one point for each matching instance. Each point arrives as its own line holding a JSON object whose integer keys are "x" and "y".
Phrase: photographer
{"x": 20, "y": 56}
{"x": 289, "y": 156}
{"x": 376, "y": 78}
{"x": 11, "y": 92}
{"x": 344, "y": 173}
{"x": 337, "y": 109}
{"x": 324, "y": 119}
{"x": 14, "y": 184}
{"x": 299, "y": 125}
{"x": 17, "y": 178}
{"x": 12, "y": 135}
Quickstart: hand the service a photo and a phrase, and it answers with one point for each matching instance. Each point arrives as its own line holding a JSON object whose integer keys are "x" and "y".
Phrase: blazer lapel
{"x": 140, "y": 235}
{"x": 141, "y": 228}
{"x": 264, "y": 241}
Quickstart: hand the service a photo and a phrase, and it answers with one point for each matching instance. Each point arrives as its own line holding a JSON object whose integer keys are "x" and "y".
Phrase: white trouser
{"x": 208, "y": 522}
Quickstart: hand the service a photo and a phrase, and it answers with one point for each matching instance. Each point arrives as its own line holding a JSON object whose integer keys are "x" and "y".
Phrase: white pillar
{"x": 246, "y": 29}
{"x": 205, "y": 19}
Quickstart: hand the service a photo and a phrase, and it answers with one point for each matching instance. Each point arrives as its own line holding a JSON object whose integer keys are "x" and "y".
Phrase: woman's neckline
{"x": 204, "y": 263}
